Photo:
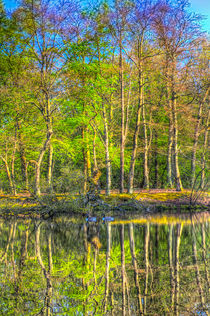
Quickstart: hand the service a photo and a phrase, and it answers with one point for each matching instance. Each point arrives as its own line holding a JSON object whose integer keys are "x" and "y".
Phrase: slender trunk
{"x": 13, "y": 163}
{"x": 122, "y": 144}
{"x": 146, "y": 149}
{"x": 84, "y": 162}
{"x": 203, "y": 159}
{"x": 196, "y": 135}
{"x": 10, "y": 175}
{"x": 86, "y": 159}
{"x": 95, "y": 165}
{"x": 106, "y": 134}
{"x": 137, "y": 128}
{"x": 170, "y": 130}
{"x": 39, "y": 162}
{"x": 50, "y": 169}
{"x": 12, "y": 189}
{"x": 108, "y": 163}
{"x": 23, "y": 161}
{"x": 156, "y": 162}
{"x": 88, "y": 154}
{"x": 175, "y": 132}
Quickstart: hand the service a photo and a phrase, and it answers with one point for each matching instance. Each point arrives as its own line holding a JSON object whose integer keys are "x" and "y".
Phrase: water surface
{"x": 154, "y": 265}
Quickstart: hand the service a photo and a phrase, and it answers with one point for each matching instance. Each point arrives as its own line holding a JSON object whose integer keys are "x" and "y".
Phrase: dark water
{"x": 139, "y": 266}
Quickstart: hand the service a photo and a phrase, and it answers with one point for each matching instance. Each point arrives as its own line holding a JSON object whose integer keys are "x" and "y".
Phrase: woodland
{"x": 109, "y": 95}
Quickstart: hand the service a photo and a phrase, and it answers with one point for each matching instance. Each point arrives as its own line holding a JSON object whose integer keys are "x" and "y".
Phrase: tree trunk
{"x": 39, "y": 162}
{"x": 196, "y": 135}
{"x": 95, "y": 164}
{"x": 156, "y": 162}
{"x": 203, "y": 159}
{"x": 23, "y": 161}
{"x": 122, "y": 103}
{"x": 13, "y": 163}
{"x": 50, "y": 169}
{"x": 108, "y": 163}
{"x": 170, "y": 130}
{"x": 86, "y": 159}
{"x": 175, "y": 132}
{"x": 146, "y": 149}
{"x": 137, "y": 128}
{"x": 11, "y": 184}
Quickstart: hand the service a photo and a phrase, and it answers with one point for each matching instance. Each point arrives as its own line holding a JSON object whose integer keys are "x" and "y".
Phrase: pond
{"x": 135, "y": 265}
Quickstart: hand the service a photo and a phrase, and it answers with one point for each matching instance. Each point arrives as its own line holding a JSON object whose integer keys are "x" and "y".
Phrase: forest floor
{"x": 26, "y": 205}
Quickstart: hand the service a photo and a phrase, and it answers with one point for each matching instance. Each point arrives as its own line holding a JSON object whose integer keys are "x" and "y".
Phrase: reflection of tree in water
{"x": 47, "y": 308}
{"x": 103, "y": 269}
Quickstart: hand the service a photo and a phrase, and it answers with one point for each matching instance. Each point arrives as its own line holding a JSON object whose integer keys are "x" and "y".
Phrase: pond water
{"x": 153, "y": 265}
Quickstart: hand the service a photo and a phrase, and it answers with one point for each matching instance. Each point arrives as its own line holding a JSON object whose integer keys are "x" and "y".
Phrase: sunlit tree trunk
{"x": 50, "y": 168}
{"x": 138, "y": 116}
{"x": 86, "y": 160}
{"x": 170, "y": 128}
{"x": 95, "y": 164}
{"x": 23, "y": 160}
{"x": 11, "y": 184}
{"x": 108, "y": 163}
{"x": 204, "y": 153}
{"x": 122, "y": 103}
{"x": 45, "y": 145}
{"x": 196, "y": 135}
{"x": 13, "y": 162}
{"x": 175, "y": 130}
{"x": 156, "y": 160}
{"x": 10, "y": 174}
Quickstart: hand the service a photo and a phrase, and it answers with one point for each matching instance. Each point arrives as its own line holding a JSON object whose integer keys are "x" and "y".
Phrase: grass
{"x": 29, "y": 206}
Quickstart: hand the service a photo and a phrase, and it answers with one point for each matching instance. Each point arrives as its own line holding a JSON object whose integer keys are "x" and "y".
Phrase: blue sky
{"x": 197, "y": 6}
